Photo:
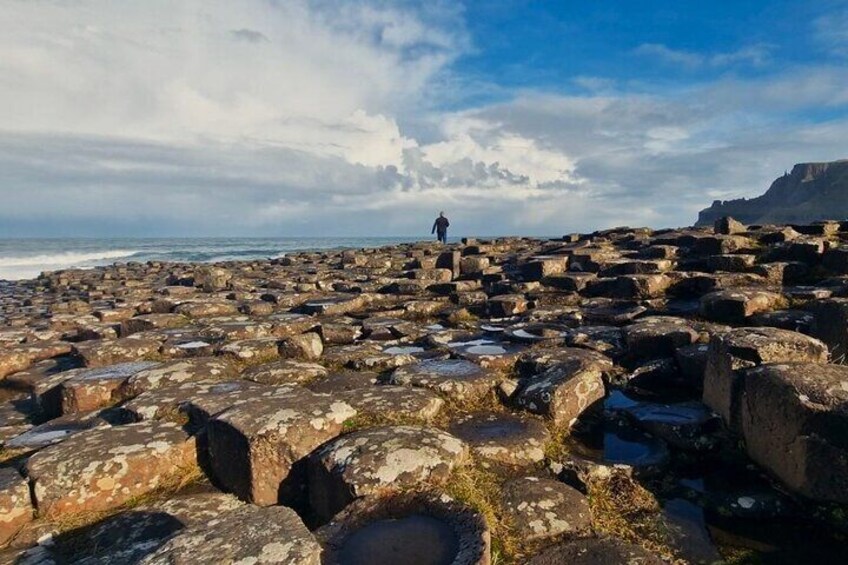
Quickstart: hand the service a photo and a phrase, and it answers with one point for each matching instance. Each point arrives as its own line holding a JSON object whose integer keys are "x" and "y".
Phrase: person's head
{"x": 441, "y": 214}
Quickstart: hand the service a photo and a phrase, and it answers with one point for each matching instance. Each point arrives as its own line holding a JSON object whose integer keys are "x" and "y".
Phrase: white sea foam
{"x": 25, "y": 267}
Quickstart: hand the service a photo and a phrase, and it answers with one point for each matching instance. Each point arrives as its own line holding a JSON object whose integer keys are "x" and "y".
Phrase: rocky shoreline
{"x": 629, "y": 395}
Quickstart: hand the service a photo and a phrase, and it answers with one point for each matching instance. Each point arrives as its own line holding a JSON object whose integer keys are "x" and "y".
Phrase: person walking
{"x": 440, "y": 228}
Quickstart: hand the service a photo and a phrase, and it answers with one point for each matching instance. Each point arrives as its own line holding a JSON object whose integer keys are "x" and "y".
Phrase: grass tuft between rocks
{"x": 624, "y": 509}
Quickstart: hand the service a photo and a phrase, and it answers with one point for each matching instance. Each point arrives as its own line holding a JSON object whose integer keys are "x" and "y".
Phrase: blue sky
{"x": 365, "y": 117}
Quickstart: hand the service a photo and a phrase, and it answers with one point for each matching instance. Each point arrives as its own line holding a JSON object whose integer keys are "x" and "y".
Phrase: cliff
{"x": 812, "y": 191}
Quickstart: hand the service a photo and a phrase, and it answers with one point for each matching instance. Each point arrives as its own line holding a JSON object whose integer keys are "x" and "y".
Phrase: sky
{"x": 368, "y": 117}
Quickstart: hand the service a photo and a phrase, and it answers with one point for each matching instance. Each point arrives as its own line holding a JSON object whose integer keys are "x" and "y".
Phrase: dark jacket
{"x": 441, "y": 224}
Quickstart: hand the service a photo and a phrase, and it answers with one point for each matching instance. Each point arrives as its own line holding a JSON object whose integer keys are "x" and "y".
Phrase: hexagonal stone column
{"x": 102, "y": 468}
{"x": 730, "y": 354}
{"x": 374, "y": 459}
{"x": 794, "y": 420}
{"x": 248, "y": 534}
{"x": 253, "y": 445}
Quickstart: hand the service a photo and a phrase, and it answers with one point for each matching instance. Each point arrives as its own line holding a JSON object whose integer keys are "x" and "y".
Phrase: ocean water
{"x": 26, "y": 258}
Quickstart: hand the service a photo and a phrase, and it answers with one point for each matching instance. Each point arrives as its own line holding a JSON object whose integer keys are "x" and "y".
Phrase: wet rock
{"x": 455, "y": 378}
{"x": 375, "y": 459}
{"x": 254, "y": 445}
{"x": 544, "y": 508}
{"x": 15, "y": 505}
{"x": 732, "y": 353}
{"x": 56, "y": 430}
{"x": 502, "y": 438}
{"x": 794, "y": 418}
{"x": 413, "y": 527}
{"x": 597, "y": 551}
{"x": 685, "y": 425}
{"x": 393, "y": 402}
{"x": 102, "y": 468}
{"x": 247, "y": 534}
{"x": 285, "y": 371}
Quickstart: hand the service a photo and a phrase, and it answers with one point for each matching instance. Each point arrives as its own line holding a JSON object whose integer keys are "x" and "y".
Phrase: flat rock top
{"x": 247, "y": 535}
{"x": 284, "y": 410}
{"x": 100, "y": 447}
{"x": 818, "y": 387}
{"x": 388, "y": 455}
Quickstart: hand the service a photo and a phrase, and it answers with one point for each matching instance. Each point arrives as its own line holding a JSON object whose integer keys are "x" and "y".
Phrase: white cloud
{"x": 754, "y": 55}
{"x": 291, "y": 118}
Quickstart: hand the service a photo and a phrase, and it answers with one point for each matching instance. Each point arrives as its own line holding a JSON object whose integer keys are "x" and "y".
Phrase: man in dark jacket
{"x": 440, "y": 228}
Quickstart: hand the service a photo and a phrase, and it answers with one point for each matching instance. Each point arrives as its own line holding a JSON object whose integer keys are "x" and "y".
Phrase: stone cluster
{"x": 325, "y": 406}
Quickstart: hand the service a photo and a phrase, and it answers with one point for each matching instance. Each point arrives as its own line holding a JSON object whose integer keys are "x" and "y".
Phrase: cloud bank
{"x": 329, "y": 118}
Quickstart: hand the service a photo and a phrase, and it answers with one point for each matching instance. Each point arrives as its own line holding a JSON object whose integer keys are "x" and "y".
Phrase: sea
{"x": 27, "y": 258}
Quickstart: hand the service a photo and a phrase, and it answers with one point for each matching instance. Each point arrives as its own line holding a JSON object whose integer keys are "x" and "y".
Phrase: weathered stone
{"x": 148, "y": 322}
{"x": 90, "y": 389}
{"x": 252, "y": 349}
{"x": 253, "y": 445}
{"x": 129, "y": 536}
{"x": 544, "y": 508}
{"x": 212, "y": 279}
{"x": 393, "y": 401}
{"x": 734, "y": 306}
{"x": 124, "y": 350}
{"x": 502, "y": 438}
{"x": 455, "y": 378}
{"x": 794, "y": 420}
{"x": 728, "y": 226}
{"x": 543, "y": 266}
{"x": 376, "y": 459}
{"x": 176, "y": 372}
{"x": 658, "y": 337}
{"x": 306, "y": 346}
{"x": 15, "y": 504}
{"x": 830, "y": 324}
{"x": 342, "y": 381}
{"x": 732, "y": 353}
{"x": 102, "y": 468}
{"x": 246, "y": 534}
{"x": 507, "y": 305}
{"x": 285, "y": 371}
{"x": 562, "y": 392}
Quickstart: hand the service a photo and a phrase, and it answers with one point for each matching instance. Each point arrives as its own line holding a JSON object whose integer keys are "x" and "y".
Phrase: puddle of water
{"x": 450, "y": 367}
{"x": 486, "y": 350}
{"x": 403, "y": 350}
{"x": 35, "y": 439}
{"x": 413, "y": 540}
{"x": 688, "y": 531}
